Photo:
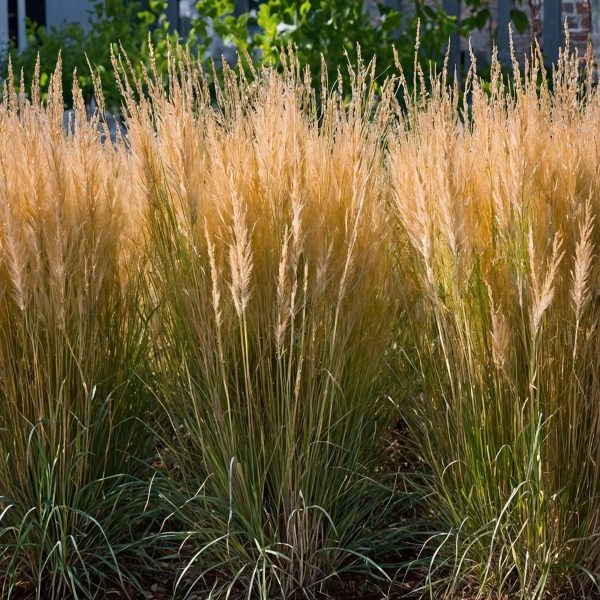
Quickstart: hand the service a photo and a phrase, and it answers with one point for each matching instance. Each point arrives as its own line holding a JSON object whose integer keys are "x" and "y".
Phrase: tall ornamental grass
{"x": 497, "y": 205}
{"x": 70, "y": 339}
{"x": 253, "y": 282}
{"x": 268, "y": 235}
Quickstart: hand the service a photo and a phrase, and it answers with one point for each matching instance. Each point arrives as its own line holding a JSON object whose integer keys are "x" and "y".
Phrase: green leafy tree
{"x": 335, "y": 28}
{"x": 332, "y": 28}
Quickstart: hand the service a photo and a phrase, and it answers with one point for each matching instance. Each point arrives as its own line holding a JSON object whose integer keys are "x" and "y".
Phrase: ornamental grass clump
{"x": 268, "y": 235}
{"x": 497, "y": 207}
{"x": 198, "y": 321}
{"x": 70, "y": 340}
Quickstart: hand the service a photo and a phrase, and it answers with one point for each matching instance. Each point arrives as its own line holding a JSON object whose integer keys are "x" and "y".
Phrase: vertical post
{"x": 21, "y": 29}
{"x": 452, "y": 7}
{"x": 4, "y": 36}
{"x": 595, "y": 9}
{"x": 173, "y": 14}
{"x": 241, "y": 7}
{"x": 552, "y": 35}
{"x": 395, "y": 5}
{"x": 504, "y": 8}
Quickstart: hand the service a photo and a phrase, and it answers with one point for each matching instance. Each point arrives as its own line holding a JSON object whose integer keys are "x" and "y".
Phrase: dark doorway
{"x": 36, "y": 11}
{"x": 13, "y": 22}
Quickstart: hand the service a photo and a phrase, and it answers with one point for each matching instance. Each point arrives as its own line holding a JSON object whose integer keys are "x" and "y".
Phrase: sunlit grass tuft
{"x": 71, "y": 442}
{"x": 268, "y": 237}
{"x": 497, "y": 209}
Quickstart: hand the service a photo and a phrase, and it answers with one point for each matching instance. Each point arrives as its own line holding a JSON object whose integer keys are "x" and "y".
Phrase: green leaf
{"x": 519, "y": 19}
{"x": 304, "y": 8}
{"x": 481, "y": 18}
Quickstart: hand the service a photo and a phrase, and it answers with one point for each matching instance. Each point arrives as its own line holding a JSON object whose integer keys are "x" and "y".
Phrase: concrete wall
{"x": 59, "y": 12}
{"x": 595, "y": 17}
{"x": 3, "y": 25}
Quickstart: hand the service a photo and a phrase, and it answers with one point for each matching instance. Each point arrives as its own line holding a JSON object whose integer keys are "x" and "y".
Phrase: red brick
{"x": 583, "y": 7}
{"x": 579, "y": 37}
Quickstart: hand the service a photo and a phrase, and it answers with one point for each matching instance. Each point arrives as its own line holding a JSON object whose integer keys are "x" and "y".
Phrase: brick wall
{"x": 579, "y": 20}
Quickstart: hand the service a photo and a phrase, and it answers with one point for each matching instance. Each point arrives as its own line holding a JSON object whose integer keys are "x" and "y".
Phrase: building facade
{"x": 13, "y": 15}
